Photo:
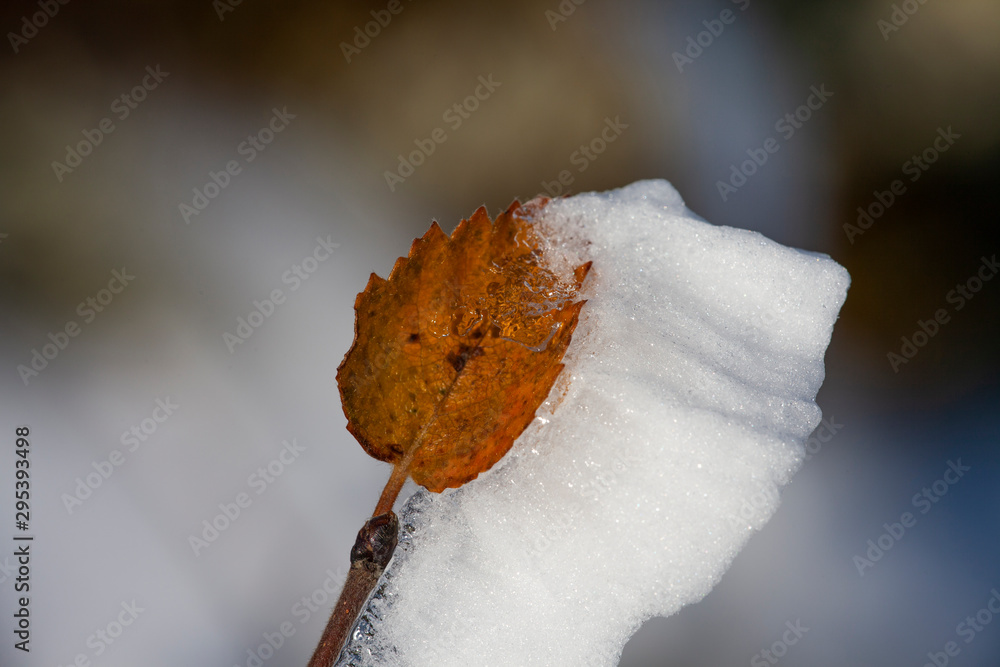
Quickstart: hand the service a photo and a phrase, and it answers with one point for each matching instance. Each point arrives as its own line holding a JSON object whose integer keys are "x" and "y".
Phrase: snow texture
{"x": 688, "y": 390}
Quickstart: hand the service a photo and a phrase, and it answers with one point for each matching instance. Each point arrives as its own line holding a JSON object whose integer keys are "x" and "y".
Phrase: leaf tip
{"x": 580, "y": 273}
{"x": 435, "y": 233}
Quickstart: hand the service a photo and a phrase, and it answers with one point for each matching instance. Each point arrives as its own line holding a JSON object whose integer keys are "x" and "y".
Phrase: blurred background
{"x": 211, "y": 153}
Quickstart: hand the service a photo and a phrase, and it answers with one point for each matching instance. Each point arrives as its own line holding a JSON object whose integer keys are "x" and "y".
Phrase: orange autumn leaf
{"x": 455, "y": 351}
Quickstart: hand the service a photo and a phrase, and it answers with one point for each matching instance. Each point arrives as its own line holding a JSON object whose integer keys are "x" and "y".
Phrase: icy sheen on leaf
{"x": 455, "y": 351}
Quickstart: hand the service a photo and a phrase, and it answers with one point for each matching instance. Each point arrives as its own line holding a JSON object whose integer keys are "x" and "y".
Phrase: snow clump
{"x": 689, "y": 389}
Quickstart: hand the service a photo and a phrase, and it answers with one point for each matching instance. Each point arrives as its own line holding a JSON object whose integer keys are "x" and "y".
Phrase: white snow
{"x": 689, "y": 389}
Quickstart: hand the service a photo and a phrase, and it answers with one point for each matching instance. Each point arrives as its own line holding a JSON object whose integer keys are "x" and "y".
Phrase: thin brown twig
{"x": 371, "y": 553}
{"x": 397, "y": 479}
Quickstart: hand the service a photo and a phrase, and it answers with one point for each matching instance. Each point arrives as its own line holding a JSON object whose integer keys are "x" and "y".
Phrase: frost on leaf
{"x": 455, "y": 351}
